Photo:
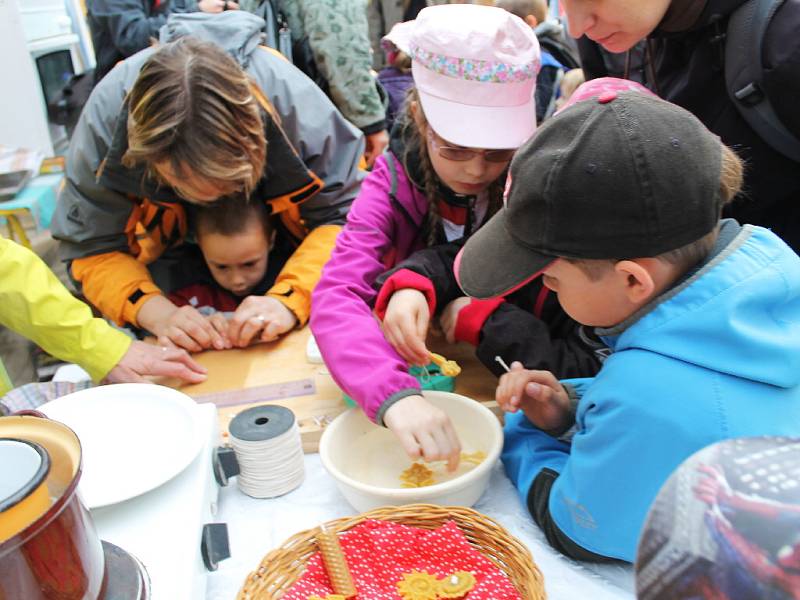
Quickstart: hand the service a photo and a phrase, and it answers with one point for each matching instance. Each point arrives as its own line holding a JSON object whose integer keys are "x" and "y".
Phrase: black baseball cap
{"x": 621, "y": 175}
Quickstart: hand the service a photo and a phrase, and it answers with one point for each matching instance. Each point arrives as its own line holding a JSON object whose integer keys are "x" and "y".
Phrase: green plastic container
{"x": 430, "y": 378}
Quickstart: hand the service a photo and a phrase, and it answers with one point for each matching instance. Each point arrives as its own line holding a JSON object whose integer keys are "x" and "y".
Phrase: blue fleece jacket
{"x": 715, "y": 357}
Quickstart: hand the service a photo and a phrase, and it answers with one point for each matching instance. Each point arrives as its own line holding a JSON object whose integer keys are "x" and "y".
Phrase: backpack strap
{"x": 276, "y": 30}
{"x": 744, "y": 74}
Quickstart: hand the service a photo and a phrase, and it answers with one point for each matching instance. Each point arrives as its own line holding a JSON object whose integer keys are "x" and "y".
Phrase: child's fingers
{"x": 393, "y": 335}
{"x": 454, "y": 455}
{"x": 410, "y": 445}
{"x": 428, "y": 447}
{"x": 405, "y": 341}
{"x": 509, "y": 387}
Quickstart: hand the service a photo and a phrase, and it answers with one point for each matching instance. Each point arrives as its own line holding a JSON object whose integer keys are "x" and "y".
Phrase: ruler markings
{"x": 260, "y": 393}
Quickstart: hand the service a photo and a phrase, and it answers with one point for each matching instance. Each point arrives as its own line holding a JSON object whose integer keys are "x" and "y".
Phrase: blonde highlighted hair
{"x": 685, "y": 257}
{"x": 193, "y": 107}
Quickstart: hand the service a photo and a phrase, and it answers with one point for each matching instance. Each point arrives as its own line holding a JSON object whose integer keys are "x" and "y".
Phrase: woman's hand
{"x": 143, "y": 360}
{"x": 405, "y": 325}
{"x": 184, "y": 327}
{"x": 424, "y": 430}
{"x": 261, "y": 318}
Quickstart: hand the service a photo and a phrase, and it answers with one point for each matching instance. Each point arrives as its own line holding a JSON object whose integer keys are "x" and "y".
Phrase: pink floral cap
{"x": 595, "y": 88}
{"x": 475, "y": 69}
{"x": 398, "y": 37}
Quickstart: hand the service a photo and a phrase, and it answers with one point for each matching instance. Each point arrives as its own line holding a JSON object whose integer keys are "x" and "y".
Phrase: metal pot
{"x": 55, "y": 553}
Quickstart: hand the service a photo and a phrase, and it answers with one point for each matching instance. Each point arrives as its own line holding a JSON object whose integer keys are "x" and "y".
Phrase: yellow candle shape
{"x": 335, "y": 563}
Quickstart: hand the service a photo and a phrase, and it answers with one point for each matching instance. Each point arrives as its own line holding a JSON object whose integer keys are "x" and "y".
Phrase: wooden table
{"x": 282, "y": 365}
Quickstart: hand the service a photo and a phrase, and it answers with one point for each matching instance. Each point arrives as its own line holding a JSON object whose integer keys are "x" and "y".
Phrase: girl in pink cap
{"x": 474, "y": 69}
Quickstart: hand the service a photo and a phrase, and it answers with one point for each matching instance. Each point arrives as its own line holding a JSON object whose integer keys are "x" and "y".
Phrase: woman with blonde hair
{"x": 207, "y": 115}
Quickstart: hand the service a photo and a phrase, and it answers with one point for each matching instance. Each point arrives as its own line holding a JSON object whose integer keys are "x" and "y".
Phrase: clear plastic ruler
{"x": 260, "y": 393}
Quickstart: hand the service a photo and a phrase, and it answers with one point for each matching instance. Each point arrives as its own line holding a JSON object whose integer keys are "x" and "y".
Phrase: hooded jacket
{"x": 120, "y": 28}
{"x": 715, "y": 357}
{"x": 35, "y": 305}
{"x": 686, "y": 52}
{"x": 382, "y": 229}
{"x": 113, "y": 221}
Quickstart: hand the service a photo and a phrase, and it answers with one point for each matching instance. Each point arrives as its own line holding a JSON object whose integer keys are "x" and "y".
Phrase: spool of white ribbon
{"x": 266, "y": 440}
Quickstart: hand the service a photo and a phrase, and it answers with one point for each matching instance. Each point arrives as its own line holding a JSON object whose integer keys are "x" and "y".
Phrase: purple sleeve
{"x": 349, "y": 337}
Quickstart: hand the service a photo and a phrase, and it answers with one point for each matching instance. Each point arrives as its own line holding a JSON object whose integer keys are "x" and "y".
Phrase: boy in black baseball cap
{"x": 616, "y": 203}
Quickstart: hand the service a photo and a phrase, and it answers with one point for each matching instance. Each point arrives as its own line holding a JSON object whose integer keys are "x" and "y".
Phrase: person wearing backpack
{"x": 688, "y": 45}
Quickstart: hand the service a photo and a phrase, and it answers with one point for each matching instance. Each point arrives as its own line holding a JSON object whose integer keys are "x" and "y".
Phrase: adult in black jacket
{"x": 678, "y": 52}
{"x": 120, "y": 28}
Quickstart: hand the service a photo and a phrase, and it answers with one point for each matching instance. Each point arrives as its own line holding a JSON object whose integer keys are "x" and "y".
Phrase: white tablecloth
{"x": 257, "y": 526}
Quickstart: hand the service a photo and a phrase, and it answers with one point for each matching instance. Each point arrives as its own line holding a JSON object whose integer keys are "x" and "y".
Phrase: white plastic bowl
{"x": 366, "y": 460}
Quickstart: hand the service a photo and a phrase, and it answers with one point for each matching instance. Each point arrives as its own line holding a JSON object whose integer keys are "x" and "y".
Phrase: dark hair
{"x": 231, "y": 216}
{"x": 415, "y": 128}
{"x": 523, "y": 8}
{"x": 685, "y": 257}
{"x": 194, "y": 107}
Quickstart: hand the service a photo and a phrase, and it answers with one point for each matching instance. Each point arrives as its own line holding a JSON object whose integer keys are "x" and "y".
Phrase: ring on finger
{"x": 260, "y": 318}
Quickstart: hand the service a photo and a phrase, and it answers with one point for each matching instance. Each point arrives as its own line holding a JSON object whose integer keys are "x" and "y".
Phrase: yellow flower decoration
{"x": 456, "y": 585}
{"x": 327, "y": 597}
{"x": 418, "y": 585}
{"x": 417, "y": 475}
{"x": 475, "y": 458}
{"x": 449, "y": 368}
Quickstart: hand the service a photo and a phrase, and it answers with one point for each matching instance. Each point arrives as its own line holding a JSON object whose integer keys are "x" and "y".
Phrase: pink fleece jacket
{"x": 382, "y": 229}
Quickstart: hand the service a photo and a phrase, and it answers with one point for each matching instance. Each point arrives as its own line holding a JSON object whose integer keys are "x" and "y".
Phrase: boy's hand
{"x": 259, "y": 317}
{"x": 220, "y": 325}
{"x": 538, "y": 393}
{"x": 449, "y": 317}
{"x": 405, "y": 325}
{"x": 184, "y": 327}
{"x": 143, "y": 359}
{"x": 424, "y": 430}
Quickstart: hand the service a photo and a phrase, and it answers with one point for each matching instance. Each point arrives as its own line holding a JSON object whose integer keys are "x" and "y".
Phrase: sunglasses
{"x": 459, "y": 154}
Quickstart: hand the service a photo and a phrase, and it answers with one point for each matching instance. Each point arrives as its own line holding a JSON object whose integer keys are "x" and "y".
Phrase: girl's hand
{"x": 259, "y": 317}
{"x": 424, "y": 430}
{"x": 449, "y": 317}
{"x": 405, "y": 325}
{"x": 538, "y": 394}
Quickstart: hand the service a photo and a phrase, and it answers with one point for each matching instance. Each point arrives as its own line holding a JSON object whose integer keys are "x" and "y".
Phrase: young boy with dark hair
{"x": 616, "y": 203}
{"x": 548, "y": 81}
{"x": 236, "y": 242}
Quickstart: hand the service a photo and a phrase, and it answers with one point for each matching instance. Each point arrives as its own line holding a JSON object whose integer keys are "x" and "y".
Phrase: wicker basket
{"x": 282, "y": 567}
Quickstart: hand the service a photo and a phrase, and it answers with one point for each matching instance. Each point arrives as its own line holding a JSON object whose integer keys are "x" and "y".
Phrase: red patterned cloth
{"x": 379, "y": 553}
